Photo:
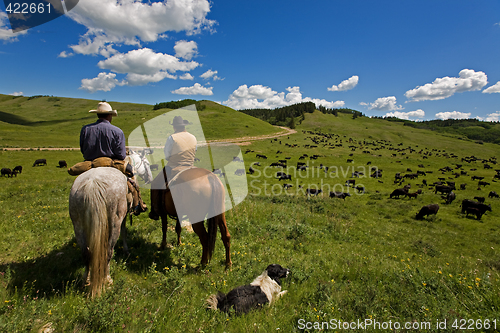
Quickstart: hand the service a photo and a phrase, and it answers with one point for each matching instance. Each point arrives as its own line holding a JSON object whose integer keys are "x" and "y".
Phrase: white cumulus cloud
{"x": 406, "y": 115}
{"x": 196, "y": 89}
{"x": 491, "y": 117}
{"x": 144, "y": 65}
{"x": 17, "y": 93}
{"x": 210, "y": 74}
{"x": 131, "y": 21}
{"x": 103, "y": 82}
{"x": 186, "y": 76}
{"x": 185, "y": 49}
{"x": 346, "y": 84}
{"x": 452, "y": 115}
{"x": 493, "y": 89}
{"x": 262, "y": 97}
{"x": 441, "y": 88}
{"x": 384, "y": 104}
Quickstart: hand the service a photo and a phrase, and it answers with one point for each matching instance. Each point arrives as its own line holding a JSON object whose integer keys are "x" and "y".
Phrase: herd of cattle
{"x": 9, "y": 173}
{"x": 444, "y": 187}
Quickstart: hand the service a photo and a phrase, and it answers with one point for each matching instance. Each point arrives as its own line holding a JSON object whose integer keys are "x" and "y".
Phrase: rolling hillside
{"x": 56, "y": 121}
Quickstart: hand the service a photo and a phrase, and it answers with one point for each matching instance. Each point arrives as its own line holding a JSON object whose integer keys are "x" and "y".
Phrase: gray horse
{"x": 98, "y": 204}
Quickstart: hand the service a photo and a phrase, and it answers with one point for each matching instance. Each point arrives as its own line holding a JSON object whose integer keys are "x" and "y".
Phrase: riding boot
{"x": 137, "y": 203}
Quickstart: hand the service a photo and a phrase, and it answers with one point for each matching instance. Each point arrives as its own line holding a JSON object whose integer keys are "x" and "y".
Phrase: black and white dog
{"x": 266, "y": 288}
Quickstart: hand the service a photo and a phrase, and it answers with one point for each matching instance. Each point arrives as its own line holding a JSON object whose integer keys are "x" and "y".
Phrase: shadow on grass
{"x": 17, "y": 120}
{"x": 62, "y": 269}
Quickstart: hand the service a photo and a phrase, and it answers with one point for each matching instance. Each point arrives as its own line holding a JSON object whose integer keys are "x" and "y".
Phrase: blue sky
{"x": 411, "y": 59}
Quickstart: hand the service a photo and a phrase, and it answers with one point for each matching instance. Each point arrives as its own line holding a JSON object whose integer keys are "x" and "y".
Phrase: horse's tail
{"x": 215, "y": 212}
{"x": 97, "y": 226}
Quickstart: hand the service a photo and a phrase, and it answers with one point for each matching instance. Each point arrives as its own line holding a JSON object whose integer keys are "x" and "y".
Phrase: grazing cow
{"x": 450, "y": 197}
{"x": 431, "y": 209}
{"x": 481, "y": 183}
{"x": 397, "y": 192}
{"x": 251, "y": 170}
{"x": 462, "y": 186}
{"x": 39, "y": 162}
{"x": 237, "y": 159}
{"x": 480, "y": 199}
{"x": 477, "y": 177}
{"x": 7, "y": 172}
{"x": 261, "y": 156}
{"x": 257, "y": 164}
{"x": 444, "y": 189}
{"x": 153, "y": 167}
{"x": 493, "y": 194}
{"x": 18, "y": 169}
{"x": 474, "y": 211}
{"x": 239, "y": 172}
{"x": 340, "y": 195}
{"x": 412, "y": 195}
{"x": 285, "y": 177}
{"x": 360, "y": 188}
{"x": 350, "y": 182}
{"x": 466, "y": 203}
{"x": 62, "y": 164}
{"x": 287, "y": 186}
{"x": 313, "y": 191}
{"x": 349, "y": 160}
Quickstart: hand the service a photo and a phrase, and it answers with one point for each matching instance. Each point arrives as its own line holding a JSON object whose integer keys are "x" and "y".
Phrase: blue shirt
{"x": 101, "y": 139}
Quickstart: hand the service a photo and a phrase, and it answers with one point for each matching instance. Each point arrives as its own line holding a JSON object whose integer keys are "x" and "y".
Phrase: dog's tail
{"x": 215, "y": 302}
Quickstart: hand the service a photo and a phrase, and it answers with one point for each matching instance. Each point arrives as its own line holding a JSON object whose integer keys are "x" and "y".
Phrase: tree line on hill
{"x": 282, "y": 116}
{"x": 179, "y": 104}
{"x": 291, "y": 114}
{"x": 473, "y": 129}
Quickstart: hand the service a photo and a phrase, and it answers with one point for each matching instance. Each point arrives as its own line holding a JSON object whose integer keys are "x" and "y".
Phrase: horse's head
{"x": 141, "y": 166}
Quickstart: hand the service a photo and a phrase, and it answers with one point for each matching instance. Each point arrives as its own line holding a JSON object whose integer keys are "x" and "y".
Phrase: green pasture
{"x": 363, "y": 258}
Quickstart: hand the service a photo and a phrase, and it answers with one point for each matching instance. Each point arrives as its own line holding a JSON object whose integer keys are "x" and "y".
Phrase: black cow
{"x": 350, "y": 182}
{"x": 462, "y": 186}
{"x": 360, "y": 188}
{"x": 444, "y": 189}
{"x": 340, "y": 195}
{"x": 287, "y": 186}
{"x": 62, "y": 164}
{"x": 397, "y": 192}
{"x": 153, "y": 167}
{"x": 313, "y": 191}
{"x": 285, "y": 177}
{"x": 39, "y": 162}
{"x": 239, "y": 172}
{"x": 431, "y": 209}
{"x": 18, "y": 169}
{"x": 480, "y": 199}
{"x": 481, "y": 183}
{"x": 261, "y": 156}
{"x": 450, "y": 197}
{"x": 7, "y": 172}
{"x": 493, "y": 194}
{"x": 475, "y": 211}
{"x": 466, "y": 203}
{"x": 251, "y": 170}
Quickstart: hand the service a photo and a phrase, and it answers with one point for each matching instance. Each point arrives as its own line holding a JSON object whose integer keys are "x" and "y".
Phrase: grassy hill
{"x": 365, "y": 258}
{"x": 56, "y": 122}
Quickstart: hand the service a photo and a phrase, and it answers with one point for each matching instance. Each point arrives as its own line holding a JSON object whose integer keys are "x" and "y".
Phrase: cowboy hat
{"x": 104, "y": 108}
{"x": 178, "y": 121}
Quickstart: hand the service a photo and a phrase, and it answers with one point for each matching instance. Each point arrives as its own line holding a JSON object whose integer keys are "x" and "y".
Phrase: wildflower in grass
{"x": 450, "y": 275}
{"x": 478, "y": 279}
{"x": 424, "y": 284}
{"x": 440, "y": 272}
{"x": 470, "y": 287}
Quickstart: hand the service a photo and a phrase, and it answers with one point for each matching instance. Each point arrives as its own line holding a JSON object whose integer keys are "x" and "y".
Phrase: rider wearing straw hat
{"x": 180, "y": 151}
{"x": 101, "y": 139}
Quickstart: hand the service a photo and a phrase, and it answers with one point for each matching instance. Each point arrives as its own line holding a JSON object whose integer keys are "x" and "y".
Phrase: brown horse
{"x": 98, "y": 205}
{"x": 198, "y": 194}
